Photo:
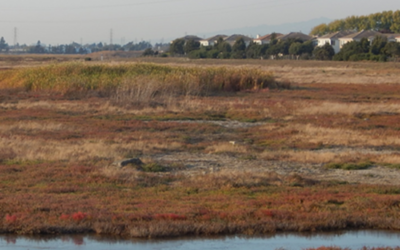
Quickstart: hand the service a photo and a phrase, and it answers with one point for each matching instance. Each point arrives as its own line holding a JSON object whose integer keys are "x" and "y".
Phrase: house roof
{"x": 214, "y": 38}
{"x": 268, "y": 37}
{"x": 392, "y": 36}
{"x": 233, "y": 38}
{"x": 362, "y": 34}
{"x": 296, "y": 35}
{"x": 336, "y": 35}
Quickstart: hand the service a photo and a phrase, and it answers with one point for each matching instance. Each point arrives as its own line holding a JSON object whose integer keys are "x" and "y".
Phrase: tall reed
{"x": 140, "y": 80}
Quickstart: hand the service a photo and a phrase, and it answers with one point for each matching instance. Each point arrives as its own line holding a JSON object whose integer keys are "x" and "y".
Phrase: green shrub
{"x": 153, "y": 167}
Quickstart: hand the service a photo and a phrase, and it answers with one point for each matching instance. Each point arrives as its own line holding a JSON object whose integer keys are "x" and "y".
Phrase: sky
{"x": 88, "y": 21}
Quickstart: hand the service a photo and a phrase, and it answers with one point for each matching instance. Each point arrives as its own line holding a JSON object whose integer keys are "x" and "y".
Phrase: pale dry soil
{"x": 209, "y": 164}
{"x": 228, "y": 163}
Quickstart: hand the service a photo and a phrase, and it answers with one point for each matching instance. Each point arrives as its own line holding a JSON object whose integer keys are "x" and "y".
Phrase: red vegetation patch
{"x": 11, "y": 218}
{"x": 79, "y": 216}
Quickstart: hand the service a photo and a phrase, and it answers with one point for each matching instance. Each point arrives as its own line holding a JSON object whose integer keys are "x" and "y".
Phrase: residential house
{"x": 232, "y": 39}
{"x": 266, "y": 39}
{"x": 368, "y": 34}
{"x": 333, "y": 39}
{"x": 212, "y": 40}
{"x": 393, "y": 37}
{"x": 296, "y": 35}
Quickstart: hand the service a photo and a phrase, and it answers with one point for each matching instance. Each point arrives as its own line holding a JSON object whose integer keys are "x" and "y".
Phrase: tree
{"x": 3, "y": 45}
{"x": 395, "y": 27}
{"x": 253, "y": 50}
{"x": 70, "y": 49}
{"x": 148, "y": 52}
{"x": 38, "y": 49}
{"x": 378, "y": 44}
{"x": 191, "y": 45}
{"x": 177, "y": 47}
{"x": 296, "y": 49}
{"x": 392, "y": 49}
{"x": 239, "y": 49}
{"x": 385, "y": 21}
{"x": 320, "y": 30}
{"x": 354, "y": 49}
{"x": 325, "y": 52}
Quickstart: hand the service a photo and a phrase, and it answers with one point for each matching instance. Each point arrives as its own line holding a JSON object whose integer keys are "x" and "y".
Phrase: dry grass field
{"x": 235, "y": 146}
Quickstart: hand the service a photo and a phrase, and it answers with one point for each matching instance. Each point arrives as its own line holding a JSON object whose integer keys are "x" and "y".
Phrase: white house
{"x": 212, "y": 40}
{"x": 393, "y": 37}
{"x": 333, "y": 39}
{"x": 369, "y": 34}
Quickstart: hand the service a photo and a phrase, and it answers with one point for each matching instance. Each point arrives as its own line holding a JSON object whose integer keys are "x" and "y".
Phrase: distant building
{"x": 212, "y": 40}
{"x": 266, "y": 39}
{"x": 368, "y": 34}
{"x": 233, "y": 38}
{"x": 393, "y": 37}
{"x": 333, "y": 39}
{"x": 296, "y": 35}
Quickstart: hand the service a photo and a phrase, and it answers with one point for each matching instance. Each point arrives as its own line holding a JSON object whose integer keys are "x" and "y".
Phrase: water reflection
{"x": 346, "y": 239}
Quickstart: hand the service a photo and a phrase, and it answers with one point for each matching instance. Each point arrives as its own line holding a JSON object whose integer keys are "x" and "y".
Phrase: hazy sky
{"x": 65, "y": 21}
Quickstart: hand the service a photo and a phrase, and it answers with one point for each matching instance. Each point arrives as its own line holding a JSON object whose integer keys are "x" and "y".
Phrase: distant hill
{"x": 305, "y": 27}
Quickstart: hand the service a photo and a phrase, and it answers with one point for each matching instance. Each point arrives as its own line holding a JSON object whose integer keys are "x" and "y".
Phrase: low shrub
{"x": 153, "y": 167}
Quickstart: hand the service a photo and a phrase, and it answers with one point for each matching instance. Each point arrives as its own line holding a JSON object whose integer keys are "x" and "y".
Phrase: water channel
{"x": 348, "y": 239}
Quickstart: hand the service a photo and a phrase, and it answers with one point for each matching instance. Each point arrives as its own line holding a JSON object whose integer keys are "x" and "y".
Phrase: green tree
{"x": 392, "y": 49}
{"x": 325, "y": 52}
{"x": 273, "y": 39}
{"x": 177, "y": 47}
{"x": 320, "y": 30}
{"x": 70, "y": 49}
{"x": 38, "y": 49}
{"x": 337, "y": 25}
{"x": 3, "y": 45}
{"x": 395, "y": 27}
{"x": 296, "y": 48}
{"x": 354, "y": 51}
{"x": 387, "y": 21}
{"x": 148, "y": 52}
{"x": 239, "y": 49}
{"x": 254, "y": 50}
{"x": 378, "y": 44}
{"x": 191, "y": 45}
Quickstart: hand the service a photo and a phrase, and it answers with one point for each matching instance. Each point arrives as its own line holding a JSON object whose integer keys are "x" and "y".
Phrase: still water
{"x": 348, "y": 239}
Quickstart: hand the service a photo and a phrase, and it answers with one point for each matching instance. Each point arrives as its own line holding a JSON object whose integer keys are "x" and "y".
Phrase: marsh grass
{"x": 137, "y": 83}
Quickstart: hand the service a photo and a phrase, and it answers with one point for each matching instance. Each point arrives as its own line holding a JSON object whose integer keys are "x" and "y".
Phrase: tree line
{"x": 380, "y": 49}
{"x": 73, "y": 48}
{"x": 377, "y": 50}
{"x": 242, "y": 50}
{"x": 386, "y": 21}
